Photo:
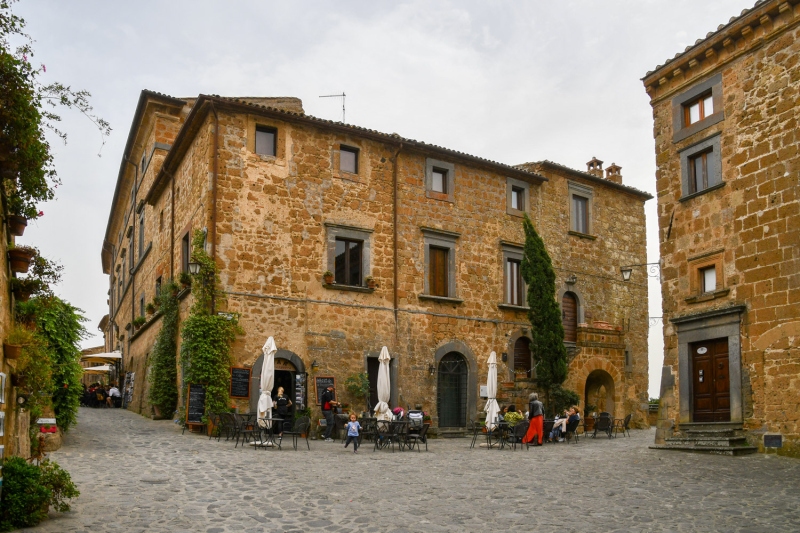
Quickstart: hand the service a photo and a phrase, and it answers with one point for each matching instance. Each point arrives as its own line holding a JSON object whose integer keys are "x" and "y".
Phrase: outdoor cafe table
{"x": 268, "y": 433}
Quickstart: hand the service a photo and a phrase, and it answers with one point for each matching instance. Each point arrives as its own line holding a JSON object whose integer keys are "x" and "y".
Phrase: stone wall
{"x": 748, "y": 225}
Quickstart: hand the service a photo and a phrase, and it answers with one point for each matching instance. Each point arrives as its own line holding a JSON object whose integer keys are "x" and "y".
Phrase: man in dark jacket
{"x": 328, "y": 403}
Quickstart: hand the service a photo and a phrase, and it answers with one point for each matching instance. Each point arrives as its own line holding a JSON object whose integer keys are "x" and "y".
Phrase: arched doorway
{"x": 569, "y": 316}
{"x": 599, "y": 392}
{"x": 452, "y": 390}
{"x": 522, "y": 358}
{"x": 290, "y": 373}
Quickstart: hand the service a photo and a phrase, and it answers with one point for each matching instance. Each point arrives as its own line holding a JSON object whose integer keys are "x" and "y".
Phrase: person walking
{"x": 352, "y": 432}
{"x": 328, "y": 403}
{"x": 536, "y": 415}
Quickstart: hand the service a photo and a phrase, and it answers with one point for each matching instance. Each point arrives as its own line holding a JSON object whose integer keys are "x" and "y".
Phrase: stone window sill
{"x": 707, "y": 297}
{"x": 583, "y": 235}
{"x": 511, "y": 307}
{"x": 351, "y": 288}
{"x": 440, "y": 299}
{"x": 701, "y": 193}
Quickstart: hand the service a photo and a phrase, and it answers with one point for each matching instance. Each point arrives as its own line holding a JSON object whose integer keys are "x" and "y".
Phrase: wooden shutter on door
{"x": 569, "y": 317}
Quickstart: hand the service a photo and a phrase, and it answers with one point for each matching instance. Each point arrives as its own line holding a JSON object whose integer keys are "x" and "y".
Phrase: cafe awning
{"x": 102, "y": 369}
{"x": 108, "y": 358}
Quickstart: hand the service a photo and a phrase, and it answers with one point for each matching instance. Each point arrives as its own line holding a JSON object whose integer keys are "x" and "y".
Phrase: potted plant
{"x": 588, "y": 419}
{"x": 150, "y": 308}
{"x": 24, "y": 287}
{"x": 185, "y": 279}
{"x": 16, "y": 224}
{"x": 139, "y": 321}
{"x": 370, "y": 282}
{"x": 17, "y": 338}
{"x": 19, "y": 258}
{"x": 358, "y": 386}
{"x": 328, "y": 277}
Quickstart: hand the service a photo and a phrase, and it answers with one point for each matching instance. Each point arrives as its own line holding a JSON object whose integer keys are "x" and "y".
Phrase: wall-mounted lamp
{"x": 431, "y": 369}
{"x": 194, "y": 268}
{"x": 653, "y": 270}
{"x": 572, "y": 280}
{"x": 314, "y": 365}
{"x": 505, "y": 357}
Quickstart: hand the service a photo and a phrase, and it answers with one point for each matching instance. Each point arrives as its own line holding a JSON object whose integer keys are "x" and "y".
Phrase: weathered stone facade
{"x": 272, "y": 225}
{"x": 740, "y": 228}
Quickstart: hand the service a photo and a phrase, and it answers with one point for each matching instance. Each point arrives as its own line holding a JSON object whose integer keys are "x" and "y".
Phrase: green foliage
{"x": 164, "y": 371}
{"x": 28, "y": 490}
{"x": 207, "y": 338}
{"x": 34, "y": 371}
{"x": 358, "y": 386}
{"x": 561, "y": 399}
{"x": 20, "y": 336}
{"x": 59, "y": 326}
{"x": 24, "y": 117}
{"x": 544, "y": 315}
{"x": 139, "y": 321}
{"x": 24, "y": 496}
{"x": 185, "y": 278}
{"x": 43, "y": 274}
{"x": 299, "y": 413}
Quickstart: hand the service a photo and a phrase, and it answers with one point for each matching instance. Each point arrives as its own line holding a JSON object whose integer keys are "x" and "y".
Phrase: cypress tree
{"x": 544, "y": 314}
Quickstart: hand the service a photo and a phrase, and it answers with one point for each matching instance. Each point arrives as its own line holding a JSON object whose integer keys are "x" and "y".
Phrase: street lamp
{"x": 626, "y": 273}
{"x": 653, "y": 270}
{"x": 194, "y": 268}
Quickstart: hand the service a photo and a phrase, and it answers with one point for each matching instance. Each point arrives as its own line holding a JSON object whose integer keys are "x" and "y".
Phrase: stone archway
{"x": 255, "y": 374}
{"x": 472, "y": 374}
{"x": 513, "y": 340}
{"x": 599, "y": 391}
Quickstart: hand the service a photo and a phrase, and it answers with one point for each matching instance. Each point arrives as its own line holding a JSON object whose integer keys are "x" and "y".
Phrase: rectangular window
{"x": 141, "y": 305}
{"x": 348, "y": 159}
{"x": 702, "y": 171}
{"x": 438, "y": 268}
{"x": 439, "y": 180}
{"x": 580, "y": 214}
{"x": 144, "y": 162}
{"x": 158, "y": 286}
{"x": 708, "y": 277}
{"x": 266, "y": 140}
{"x": 515, "y": 287}
{"x": 186, "y": 253}
{"x": 141, "y": 235}
{"x": 518, "y": 198}
{"x": 161, "y": 221}
{"x": 347, "y": 261}
{"x": 698, "y": 109}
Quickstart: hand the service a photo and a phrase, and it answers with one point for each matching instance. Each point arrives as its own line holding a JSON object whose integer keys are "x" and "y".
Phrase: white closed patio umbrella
{"x": 267, "y": 381}
{"x": 492, "y": 408}
{"x": 384, "y": 387}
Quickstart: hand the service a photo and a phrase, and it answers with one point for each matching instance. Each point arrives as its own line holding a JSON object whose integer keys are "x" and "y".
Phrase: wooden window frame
{"x": 512, "y": 298}
{"x": 186, "y": 250}
{"x": 586, "y": 193}
{"x": 703, "y": 156}
{"x": 348, "y": 264}
{"x": 438, "y": 275}
{"x": 440, "y": 239}
{"x": 701, "y": 100}
{"x": 260, "y": 128}
{"x": 449, "y": 175}
{"x": 709, "y": 150}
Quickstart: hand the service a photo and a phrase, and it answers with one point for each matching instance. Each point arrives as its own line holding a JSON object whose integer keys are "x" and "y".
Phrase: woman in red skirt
{"x": 536, "y": 415}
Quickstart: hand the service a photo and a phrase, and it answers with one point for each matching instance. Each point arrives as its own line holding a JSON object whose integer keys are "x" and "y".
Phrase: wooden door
{"x": 710, "y": 381}
{"x": 569, "y": 317}
{"x": 452, "y": 391}
{"x": 522, "y": 358}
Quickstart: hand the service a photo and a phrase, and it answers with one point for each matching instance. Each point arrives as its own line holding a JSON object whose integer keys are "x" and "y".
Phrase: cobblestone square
{"x": 140, "y": 475}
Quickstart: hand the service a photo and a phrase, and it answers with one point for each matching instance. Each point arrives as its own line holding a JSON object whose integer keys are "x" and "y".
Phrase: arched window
{"x": 522, "y": 358}
{"x": 569, "y": 316}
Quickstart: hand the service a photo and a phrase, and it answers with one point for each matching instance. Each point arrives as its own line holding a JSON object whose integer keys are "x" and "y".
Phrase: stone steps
{"x": 722, "y": 442}
{"x": 724, "y": 438}
{"x": 719, "y": 450}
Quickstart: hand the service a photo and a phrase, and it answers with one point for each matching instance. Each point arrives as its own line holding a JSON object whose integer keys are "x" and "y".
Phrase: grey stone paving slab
{"x": 139, "y": 475}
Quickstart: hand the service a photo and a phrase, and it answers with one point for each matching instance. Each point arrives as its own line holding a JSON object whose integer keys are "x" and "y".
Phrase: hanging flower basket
{"x": 17, "y": 225}
{"x": 23, "y": 288}
{"x": 12, "y": 351}
{"x": 20, "y": 259}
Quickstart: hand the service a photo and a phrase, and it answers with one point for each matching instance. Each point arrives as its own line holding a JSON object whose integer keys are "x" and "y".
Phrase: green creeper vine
{"x": 164, "y": 371}
{"x": 207, "y": 338}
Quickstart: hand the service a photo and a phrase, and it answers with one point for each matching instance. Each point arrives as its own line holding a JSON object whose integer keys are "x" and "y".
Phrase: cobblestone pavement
{"x": 136, "y": 474}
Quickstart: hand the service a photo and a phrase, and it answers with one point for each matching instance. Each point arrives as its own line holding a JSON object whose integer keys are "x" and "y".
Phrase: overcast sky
{"x": 511, "y": 81}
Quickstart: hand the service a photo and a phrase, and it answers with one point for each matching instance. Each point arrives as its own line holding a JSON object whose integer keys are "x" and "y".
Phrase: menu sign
{"x": 240, "y": 382}
{"x": 321, "y": 383}
{"x": 196, "y": 405}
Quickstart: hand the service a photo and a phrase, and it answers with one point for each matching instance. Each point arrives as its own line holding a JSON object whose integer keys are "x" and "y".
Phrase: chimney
{"x": 595, "y": 167}
{"x": 613, "y": 173}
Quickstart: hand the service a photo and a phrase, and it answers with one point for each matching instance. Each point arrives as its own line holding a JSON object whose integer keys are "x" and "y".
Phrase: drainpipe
{"x": 394, "y": 239}
{"x": 133, "y": 240}
{"x": 214, "y": 201}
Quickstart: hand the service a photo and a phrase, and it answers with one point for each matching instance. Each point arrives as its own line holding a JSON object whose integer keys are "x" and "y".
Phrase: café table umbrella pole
{"x": 382, "y": 411}
{"x": 492, "y": 408}
{"x": 267, "y": 382}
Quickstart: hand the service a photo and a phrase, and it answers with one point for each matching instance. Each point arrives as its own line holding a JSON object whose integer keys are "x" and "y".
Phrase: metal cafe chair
{"x": 415, "y": 438}
{"x": 621, "y": 424}
{"x": 477, "y": 429}
{"x": 603, "y": 423}
{"x": 301, "y": 427}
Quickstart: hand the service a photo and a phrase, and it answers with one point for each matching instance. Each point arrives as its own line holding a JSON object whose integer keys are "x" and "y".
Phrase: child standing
{"x": 352, "y": 432}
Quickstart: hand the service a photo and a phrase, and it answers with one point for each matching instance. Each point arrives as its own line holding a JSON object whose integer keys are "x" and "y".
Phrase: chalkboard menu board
{"x": 240, "y": 382}
{"x": 196, "y": 406}
{"x": 321, "y": 384}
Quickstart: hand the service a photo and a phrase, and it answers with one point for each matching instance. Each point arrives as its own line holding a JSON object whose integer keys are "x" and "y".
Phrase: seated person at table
{"x": 113, "y": 392}
{"x": 513, "y": 416}
{"x": 560, "y": 425}
{"x": 502, "y": 414}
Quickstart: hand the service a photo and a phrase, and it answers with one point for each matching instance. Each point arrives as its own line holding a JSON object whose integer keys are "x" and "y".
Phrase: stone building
{"x": 283, "y": 197}
{"x": 726, "y": 132}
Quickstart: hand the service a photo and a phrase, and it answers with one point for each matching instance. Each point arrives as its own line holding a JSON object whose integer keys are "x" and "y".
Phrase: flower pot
{"x": 588, "y": 424}
{"x": 19, "y": 260}
{"x": 328, "y": 280}
{"x": 17, "y": 225}
{"x": 371, "y": 284}
{"x": 12, "y": 351}
{"x": 17, "y": 380}
{"x": 22, "y": 295}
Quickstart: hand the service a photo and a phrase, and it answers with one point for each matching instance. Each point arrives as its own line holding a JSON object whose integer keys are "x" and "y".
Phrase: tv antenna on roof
{"x": 342, "y": 96}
